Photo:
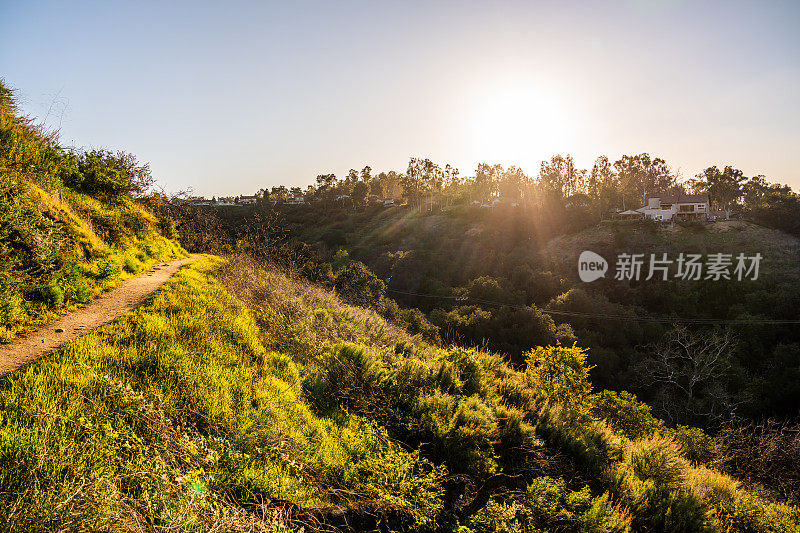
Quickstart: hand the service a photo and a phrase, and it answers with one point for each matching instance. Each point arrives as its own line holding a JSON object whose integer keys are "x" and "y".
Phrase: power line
{"x": 607, "y": 316}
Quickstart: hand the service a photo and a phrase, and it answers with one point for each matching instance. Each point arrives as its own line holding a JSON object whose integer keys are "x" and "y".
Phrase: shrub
{"x": 513, "y": 433}
{"x": 514, "y": 391}
{"x": 51, "y": 294}
{"x": 431, "y": 415}
{"x": 11, "y": 310}
{"x": 469, "y": 371}
{"x": 625, "y": 413}
{"x": 131, "y": 265}
{"x": 318, "y": 272}
{"x": 657, "y": 459}
{"x": 470, "y": 440}
{"x": 74, "y": 287}
{"x": 353, "y": 377}
{"x": 446, "y": 378}
{"x": 677, "y": 511}
{"x": 12, "y": 314}
{"x": 639, "y": 483}
{"x": 416, "y": 323}
{"x": 695, "y": 444}
{"x": 168, "y": 228}
{"x": 547, "y": 505}
{"x": 106, "y": 172}
{"x": 560, "y": 373}
{"x": 459, "y": 433}
{"x": 282, "y": 367}
{"x": 108, "y": 269}
{"x": 357, "y": 284}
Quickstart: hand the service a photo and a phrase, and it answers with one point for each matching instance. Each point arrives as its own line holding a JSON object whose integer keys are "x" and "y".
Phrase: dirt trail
{"x": 103, "y": 309}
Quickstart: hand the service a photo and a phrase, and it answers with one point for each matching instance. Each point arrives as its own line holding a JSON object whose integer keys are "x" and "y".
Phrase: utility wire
{"x": 607, "y": 316}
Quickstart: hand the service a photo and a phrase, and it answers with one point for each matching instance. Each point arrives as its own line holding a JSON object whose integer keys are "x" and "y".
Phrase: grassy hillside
{"x": 240, "y": 399}
{"x": 63, "y": 241}
{"x": 506, "y": 279}
{"x": 177, "y": 416}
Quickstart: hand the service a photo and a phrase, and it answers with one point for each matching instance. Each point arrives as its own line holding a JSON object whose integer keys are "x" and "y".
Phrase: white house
{"x": 226, "y": 201}
{"x": 676, "y": 207}
{"x": 247, "y": 200}
{"x": 296, "y": 200}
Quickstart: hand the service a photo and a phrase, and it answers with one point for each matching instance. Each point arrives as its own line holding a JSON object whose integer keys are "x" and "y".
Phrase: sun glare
{"x": 519, "y": 123}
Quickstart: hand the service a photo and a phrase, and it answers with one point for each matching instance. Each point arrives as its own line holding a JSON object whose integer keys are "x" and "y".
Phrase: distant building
{"x": 387, "y": 202}
{"x": 197, "y": 200}
{"x": 296, "y": 200}
{"x": 630, "y": 214}
{"x": 248, "y": 200}
{"x": 226, "y": 201}
{"x": 676, "y": 207}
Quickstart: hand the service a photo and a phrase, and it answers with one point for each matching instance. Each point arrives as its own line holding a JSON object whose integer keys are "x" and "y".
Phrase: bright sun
{"x": 519, "y": 123}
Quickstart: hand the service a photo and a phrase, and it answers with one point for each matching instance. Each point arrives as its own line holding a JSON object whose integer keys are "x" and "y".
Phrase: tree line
{"x": 607, "y": 186}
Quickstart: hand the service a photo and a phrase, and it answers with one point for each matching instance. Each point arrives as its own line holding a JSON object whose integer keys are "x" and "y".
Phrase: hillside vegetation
{"x": 506, "y": 279}
{"x": 241, "y": 399}
{"x": 69, "y": 228}
{"x": 760, "y": 372}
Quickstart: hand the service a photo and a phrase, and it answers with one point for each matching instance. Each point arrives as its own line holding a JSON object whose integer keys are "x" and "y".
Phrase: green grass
{"x": 200, "y": 408}
{"x": 177, "y": 417}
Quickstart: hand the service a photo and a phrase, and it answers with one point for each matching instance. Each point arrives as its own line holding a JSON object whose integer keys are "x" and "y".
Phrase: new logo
{"x": 591, "y": 266}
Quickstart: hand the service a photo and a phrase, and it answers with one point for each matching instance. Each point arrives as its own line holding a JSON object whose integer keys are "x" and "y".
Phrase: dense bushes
{"x": 468, "y": 411}
{"x": 354, "y": 379}
{"x": 625, "y": 414}
{"x": 438, "y": 404}
{"x": 484, "y": 277}
{"x": 548, "y": 505}
{"x": 463, "y": 428}
{"x": 357, "y": 284}
{"x": 504, "y": 329}
{"x": 102, "y": 172}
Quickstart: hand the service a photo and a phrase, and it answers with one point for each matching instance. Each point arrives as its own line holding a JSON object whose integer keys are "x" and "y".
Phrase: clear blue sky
{"x": 229, "y": 97}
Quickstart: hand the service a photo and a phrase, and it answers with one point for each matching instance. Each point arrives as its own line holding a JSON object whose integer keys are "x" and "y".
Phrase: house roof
{"x": 682, "y": 198}
{"x": 630, "y": 212}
